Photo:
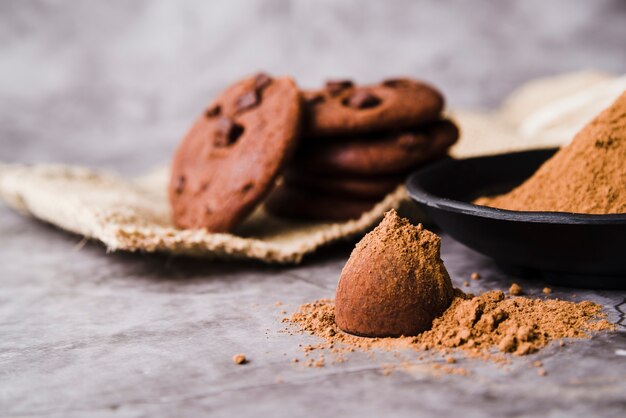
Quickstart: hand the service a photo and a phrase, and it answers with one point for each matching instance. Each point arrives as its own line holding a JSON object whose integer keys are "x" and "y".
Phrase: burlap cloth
{"x": 133, "y": 214}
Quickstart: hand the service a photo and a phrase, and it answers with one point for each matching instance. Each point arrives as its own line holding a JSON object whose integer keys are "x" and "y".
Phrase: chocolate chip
{"x": 362, "y": 100}
{"x": 202, "y": 188}
{"x": 248, "y": 100}
{"x": 180, "y": 184}
{"x": 335, "y": 87}
{"x": 317, "y": 99}
{"x": 227, "y": 132}
{"x": 395, "y": 82}
{"x": 261, "y": 81}
{"x": 247, "y": 187}
{"x": 213, "y": 111}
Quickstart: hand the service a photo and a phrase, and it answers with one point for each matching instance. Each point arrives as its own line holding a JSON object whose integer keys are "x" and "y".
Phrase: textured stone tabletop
{"x": 86, "y": 333}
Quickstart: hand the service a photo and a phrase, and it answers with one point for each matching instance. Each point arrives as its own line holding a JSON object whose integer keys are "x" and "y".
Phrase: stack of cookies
{"x": 358, "y": 144}
{"x": 319, "y": 155}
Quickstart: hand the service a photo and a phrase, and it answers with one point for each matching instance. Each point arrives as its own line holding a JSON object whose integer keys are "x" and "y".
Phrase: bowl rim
{"x": 420, "y": 195}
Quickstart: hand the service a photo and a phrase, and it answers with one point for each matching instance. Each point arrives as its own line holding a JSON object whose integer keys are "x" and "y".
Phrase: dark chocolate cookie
{"x": 345, "y": 109}
{"x": 231, "y": 157}
{"x": 357, "y": 187}
{"x": 381, "y": 154}
{"x": 311, "y": 205}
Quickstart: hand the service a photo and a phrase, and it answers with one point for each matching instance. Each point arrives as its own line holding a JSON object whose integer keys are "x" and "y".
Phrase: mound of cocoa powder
{"x": 587, "y": 176}
{"x": 477, "y": 325}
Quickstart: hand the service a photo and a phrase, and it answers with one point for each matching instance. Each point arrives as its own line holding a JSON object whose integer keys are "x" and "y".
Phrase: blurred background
{"x": 116, "y": 84}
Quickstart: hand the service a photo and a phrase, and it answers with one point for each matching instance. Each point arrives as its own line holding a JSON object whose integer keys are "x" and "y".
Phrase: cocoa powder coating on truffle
{"x": 394, "y": 282}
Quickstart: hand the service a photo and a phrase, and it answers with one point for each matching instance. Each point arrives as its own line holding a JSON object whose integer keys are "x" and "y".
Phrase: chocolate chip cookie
{"x": 381, "y": 154}
{"x": 357, "y": 187}
{"x": 231, "y": 157}
{"x": 305, "y": 204}
{"x": 342, "y": 108}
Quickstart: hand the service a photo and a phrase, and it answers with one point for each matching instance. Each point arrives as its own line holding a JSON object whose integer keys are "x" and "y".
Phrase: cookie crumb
{"x": 515, "y": 289}
{"x": 475, "y": 276}
{"x": 278, "y": 303}
{"x": 295, "y": 360}
{"x": 537, "y": 363}
{"x": 465, "y": 283}
{"x": 450, "y": 360}
{"x": 239, "y": 359}
{"x": 547, "y": 290}
{"x": 542, "y": 372}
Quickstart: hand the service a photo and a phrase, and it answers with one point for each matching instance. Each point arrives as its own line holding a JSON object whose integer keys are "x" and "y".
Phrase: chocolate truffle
{"x": 394, "y": 282}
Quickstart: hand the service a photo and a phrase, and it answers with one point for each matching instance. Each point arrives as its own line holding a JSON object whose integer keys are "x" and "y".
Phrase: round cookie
{"x": 231, "y": 157}
{"x": 358, "y": 187}
{"x": 345, "y": 109}
{"x": 304, "y": 204}
{"x": 383, "y": 154}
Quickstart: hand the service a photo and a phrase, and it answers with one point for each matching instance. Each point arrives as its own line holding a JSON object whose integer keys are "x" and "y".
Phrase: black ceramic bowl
{"x": 564, "y": 248}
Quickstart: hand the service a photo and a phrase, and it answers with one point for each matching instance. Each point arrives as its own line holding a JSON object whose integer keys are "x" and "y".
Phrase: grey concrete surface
{"x": 115, "y": 85}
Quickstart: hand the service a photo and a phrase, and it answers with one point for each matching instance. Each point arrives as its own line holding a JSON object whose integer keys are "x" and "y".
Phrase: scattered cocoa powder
{"x": 459, "y": 371}
{"x": 436, "y": 369}
{"x": 478, "y": 326}
{"x": 519, "y": 325}
{"x": 587, "y": 176}
{"x": 516, "y": 289}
